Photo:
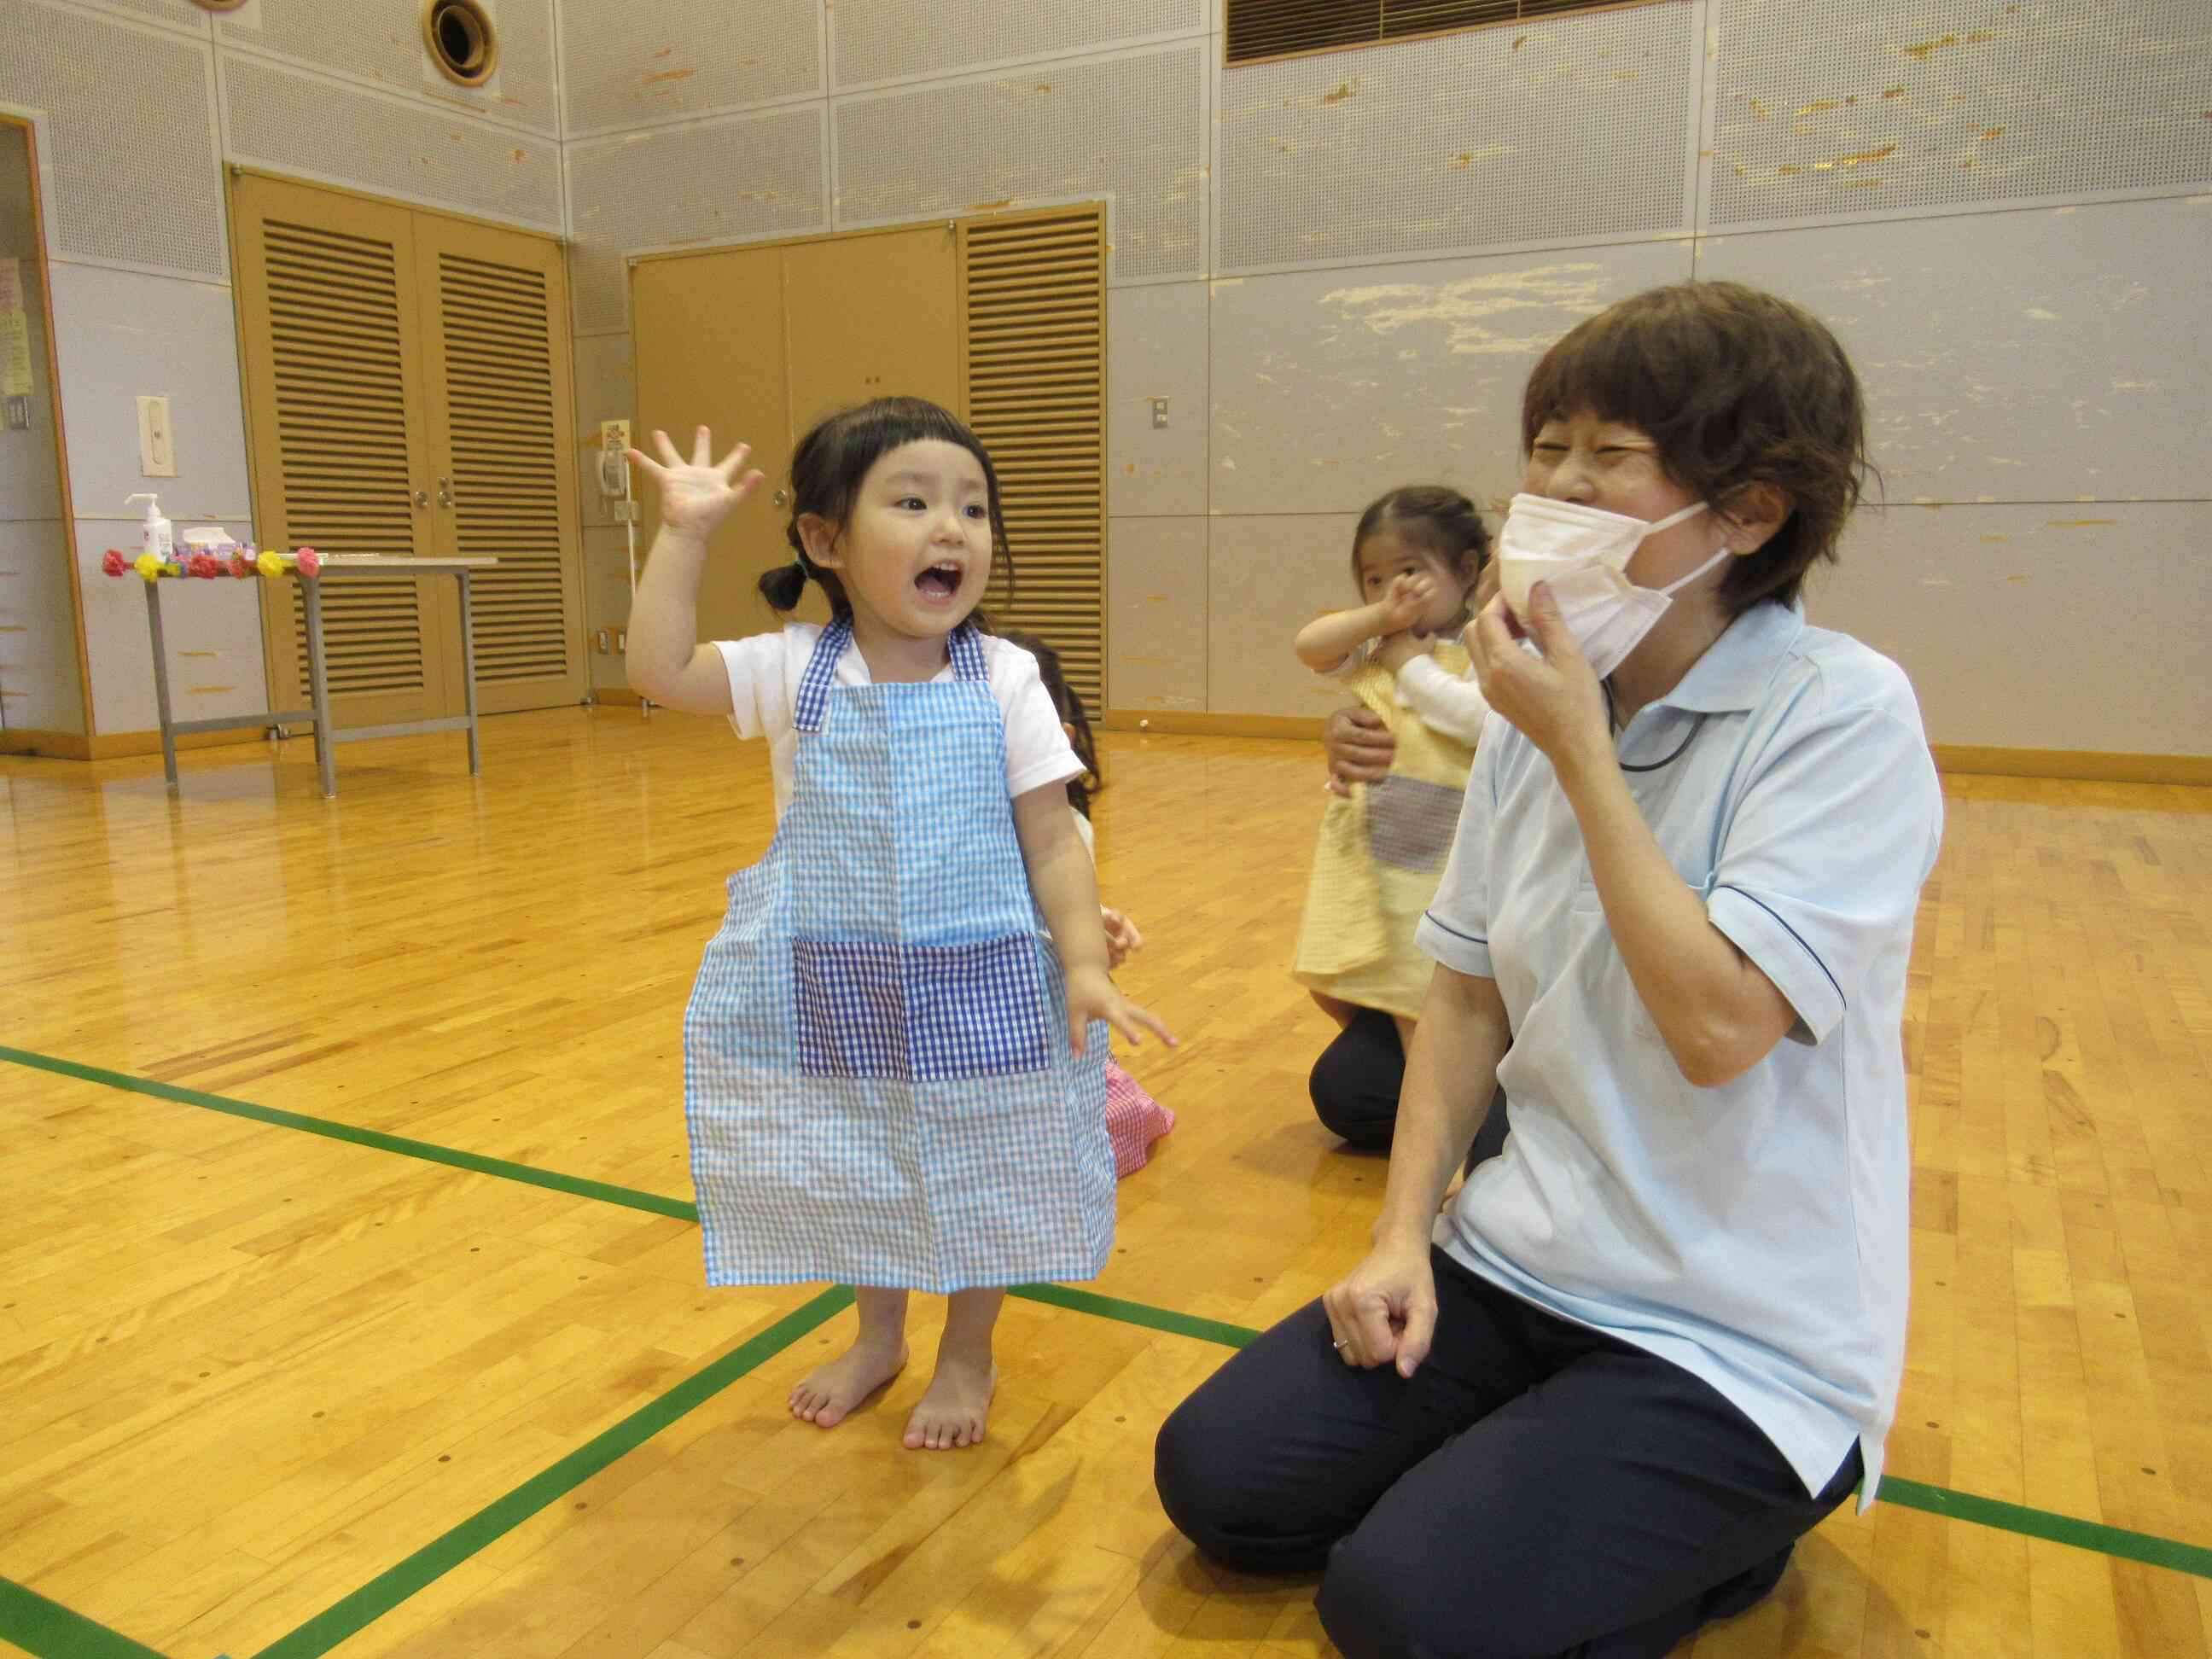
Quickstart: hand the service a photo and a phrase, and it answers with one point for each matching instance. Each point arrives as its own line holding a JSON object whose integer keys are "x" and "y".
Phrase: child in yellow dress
{"x": 1418, "y": 556}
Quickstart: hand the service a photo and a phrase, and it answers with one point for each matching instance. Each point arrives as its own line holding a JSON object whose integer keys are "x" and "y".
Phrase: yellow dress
{"x": 1381, "y": 854}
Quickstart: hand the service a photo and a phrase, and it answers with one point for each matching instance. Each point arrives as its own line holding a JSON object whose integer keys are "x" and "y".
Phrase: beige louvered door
{"x": 1033, "y": 312}
{"x": 327, "y": 319}
{"x": 495, "y": 365}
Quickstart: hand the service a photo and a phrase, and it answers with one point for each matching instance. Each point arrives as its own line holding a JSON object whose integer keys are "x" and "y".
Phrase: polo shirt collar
{"x": 1737, "y": 666}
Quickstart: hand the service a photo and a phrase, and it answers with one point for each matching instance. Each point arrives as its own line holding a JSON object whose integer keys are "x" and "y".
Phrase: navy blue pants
{"x": 1536, "y": 1489}
{"x": 1355, "y": 1084}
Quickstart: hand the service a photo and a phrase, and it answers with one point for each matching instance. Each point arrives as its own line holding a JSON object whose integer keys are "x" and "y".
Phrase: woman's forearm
{"x": 1451, "y": 1074}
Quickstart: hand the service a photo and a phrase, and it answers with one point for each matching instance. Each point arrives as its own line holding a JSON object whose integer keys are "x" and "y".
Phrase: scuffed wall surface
{"x": 1339, "y": 270}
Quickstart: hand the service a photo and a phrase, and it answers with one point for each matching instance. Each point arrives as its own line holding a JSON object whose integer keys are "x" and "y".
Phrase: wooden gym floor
{"x": 350, "y": 1300}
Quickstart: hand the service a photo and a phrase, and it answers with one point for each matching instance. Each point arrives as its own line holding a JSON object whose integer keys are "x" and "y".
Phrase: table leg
{"x": 469, "y": 674}
{"x": 161, "y": 682}
{"x": 318, "y": 686}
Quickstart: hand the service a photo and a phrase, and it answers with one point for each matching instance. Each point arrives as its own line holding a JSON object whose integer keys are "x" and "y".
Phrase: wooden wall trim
{"x": 115, "y": 746}
{"x": 2087, "y": 765}
{"x": 2084, "y": 765}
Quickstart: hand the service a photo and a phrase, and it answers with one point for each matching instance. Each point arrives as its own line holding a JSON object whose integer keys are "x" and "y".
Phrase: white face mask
{"x": 1584, "y": 553}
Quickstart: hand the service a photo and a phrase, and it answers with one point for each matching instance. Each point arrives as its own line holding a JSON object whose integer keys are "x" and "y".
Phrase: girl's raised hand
{"x": 1404, "y": 602}
{"x": 1091, "y": 995}
{"x": 697, "y": 495}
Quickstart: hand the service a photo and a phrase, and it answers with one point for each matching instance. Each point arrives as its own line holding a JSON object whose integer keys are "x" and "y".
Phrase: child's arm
{"x": 1327, "y": 640}
{"x": 1447, "y": 702}
{"x": 1067, "y": 892}
{"x": 667, "y": 663}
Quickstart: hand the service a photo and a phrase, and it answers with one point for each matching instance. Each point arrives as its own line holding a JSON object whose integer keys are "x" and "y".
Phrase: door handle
{"x": 422, "y": 498}
{"x": 781, "y": 498}
{"x": 445, "y": 493}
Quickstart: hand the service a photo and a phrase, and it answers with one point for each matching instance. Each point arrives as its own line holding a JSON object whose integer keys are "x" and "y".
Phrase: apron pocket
{"x": 919, "y": 1012}
{"x": 1410, "y": 823}
{"x": 977, "y": 1010}
{"x": 850, "y": 1008}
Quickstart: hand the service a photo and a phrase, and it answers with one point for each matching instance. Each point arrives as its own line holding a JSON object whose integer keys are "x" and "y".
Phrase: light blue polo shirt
{"x": 1757, "y": 1233}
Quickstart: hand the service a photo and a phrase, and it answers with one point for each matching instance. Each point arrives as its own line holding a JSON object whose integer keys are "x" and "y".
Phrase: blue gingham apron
{"x": 877, "y": 1074}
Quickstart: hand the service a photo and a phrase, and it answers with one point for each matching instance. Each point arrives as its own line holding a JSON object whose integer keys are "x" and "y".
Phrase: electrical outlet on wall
{"x": 157, "y": 446}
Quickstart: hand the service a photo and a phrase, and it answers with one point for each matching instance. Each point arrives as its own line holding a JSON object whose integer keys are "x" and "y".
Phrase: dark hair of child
{"x": 828, "y": 466}
{"x": 1737, "y": 388}
{"x": 1064, "y": 698}
{"x": 1439, "y": 518}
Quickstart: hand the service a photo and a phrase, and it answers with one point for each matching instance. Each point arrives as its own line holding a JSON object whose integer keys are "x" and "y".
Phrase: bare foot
{"x": 828, "y": 1397}
{"x": 951, "y": 1414}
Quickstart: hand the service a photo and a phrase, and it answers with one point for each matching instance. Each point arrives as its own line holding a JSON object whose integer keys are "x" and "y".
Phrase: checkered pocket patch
{"x": 1410, "y": 823}
{"x": 976, "y": 1009}
{"x": 850, "y": 1005}
{"x": 918, "y": 1013}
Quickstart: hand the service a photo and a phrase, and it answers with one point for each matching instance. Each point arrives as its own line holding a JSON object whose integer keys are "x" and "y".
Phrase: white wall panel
{"x": 882, "y": 40}
{"x": 1128, "y": 128}
{"x": 39, "y": 691}
{"x": 1330, "y": 388}
{"x": 121, "y": 334}
{"x": 1885, "y": 105}
{"x": 1266, "y": 577}
{"x": 628, "y": 66}
{"x": 130, "y": 135}
{"x": 2032, "y": 627}
{"x": 1156, "y": 347}
{"x": 2037, "y": 355}
{"x": 1156, "y": 604}
{"x": 1565, "y": 129}
{"x": 390, "y": 144}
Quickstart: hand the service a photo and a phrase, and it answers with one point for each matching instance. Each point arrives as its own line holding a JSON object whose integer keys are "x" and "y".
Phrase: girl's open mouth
{"x": 939, "y": 581}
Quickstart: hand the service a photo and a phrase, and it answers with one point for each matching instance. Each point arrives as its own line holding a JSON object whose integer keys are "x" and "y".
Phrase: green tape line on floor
{"x": 442, "y": 1554}
{"x": 430, "y": 1151}
{"x": 52, "y": 1631}
{"x": 1936, "y": 1500}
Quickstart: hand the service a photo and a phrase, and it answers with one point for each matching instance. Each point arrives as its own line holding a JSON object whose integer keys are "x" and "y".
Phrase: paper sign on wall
{"x": 14, "y": 333}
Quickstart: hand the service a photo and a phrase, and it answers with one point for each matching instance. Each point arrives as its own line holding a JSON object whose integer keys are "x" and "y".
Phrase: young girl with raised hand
{"x": 1418, "y": 557}
{"x": 892, "y": 1076}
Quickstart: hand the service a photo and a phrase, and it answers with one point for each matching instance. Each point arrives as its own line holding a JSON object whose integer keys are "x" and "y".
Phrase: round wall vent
{"x": 459, "y": 36}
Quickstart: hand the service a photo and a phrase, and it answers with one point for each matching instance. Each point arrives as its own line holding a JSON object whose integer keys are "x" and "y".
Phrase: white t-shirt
{"x": 766, "y": 669}
{"x": 1447, "y": 702}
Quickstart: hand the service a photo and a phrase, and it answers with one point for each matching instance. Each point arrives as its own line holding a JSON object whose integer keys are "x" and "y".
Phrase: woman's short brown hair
{"x": 1737, "y": 388}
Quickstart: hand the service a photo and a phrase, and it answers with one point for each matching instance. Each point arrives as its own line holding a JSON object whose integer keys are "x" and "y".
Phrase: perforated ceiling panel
{"x": 381, "y": 41}
{"x": 625, "y": 64}
{"x": 132, "y": 136}
{"x": 1573, "y": 127}
{"x": 875, "y": 41}
{"x": 712, "y": 181}
{"x": 178, "y": 14}
{"x": 1131, "y": 128}
{"x": 289, "y": 122}
{"x": 1890, "y": 104}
